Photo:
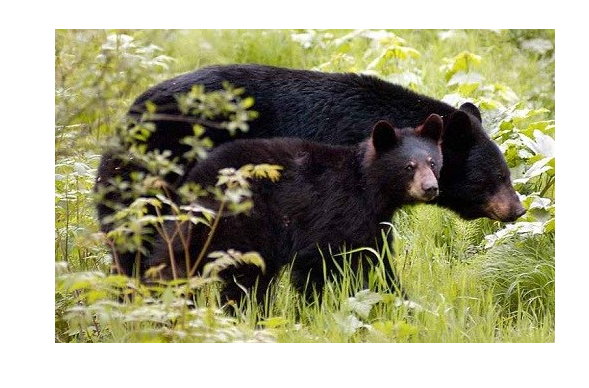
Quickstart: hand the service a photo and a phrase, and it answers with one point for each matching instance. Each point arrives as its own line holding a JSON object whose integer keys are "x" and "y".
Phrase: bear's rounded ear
{"x": 458, "y": 131}
{"x": 383, "y": 136}
{"x": 472, "y": 109}
{"x": 432, "y": 128}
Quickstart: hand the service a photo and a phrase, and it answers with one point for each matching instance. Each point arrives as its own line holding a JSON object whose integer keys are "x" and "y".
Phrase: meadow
{"x": 467, "y": 281}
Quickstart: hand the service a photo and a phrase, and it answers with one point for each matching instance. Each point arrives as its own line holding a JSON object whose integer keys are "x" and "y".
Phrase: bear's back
{"x": 292, "y": 154}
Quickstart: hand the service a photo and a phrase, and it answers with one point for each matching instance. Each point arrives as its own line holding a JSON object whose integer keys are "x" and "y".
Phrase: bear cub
{"x": 328, "y": 199}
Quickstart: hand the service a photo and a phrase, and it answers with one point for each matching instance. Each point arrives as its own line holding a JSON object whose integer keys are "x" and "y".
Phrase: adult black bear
{"x": 327, "y": 197}
{"x": 332, "y": 108}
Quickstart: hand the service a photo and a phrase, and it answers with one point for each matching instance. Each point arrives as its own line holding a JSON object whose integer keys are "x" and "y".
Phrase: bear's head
{"x": 403, "y": 165}
{"x": 475, "y": 180}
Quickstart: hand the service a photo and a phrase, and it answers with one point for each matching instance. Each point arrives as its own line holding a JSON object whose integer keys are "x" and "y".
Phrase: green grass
{"x": 459, "y": 291}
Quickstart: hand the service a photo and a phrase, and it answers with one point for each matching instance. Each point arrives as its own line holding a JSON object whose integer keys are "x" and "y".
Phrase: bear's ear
{"x": 432, "y": 128}
{"x": 383, "y": 136}
{"x": 472, "y": 109}
{"x": 458, "y": 131}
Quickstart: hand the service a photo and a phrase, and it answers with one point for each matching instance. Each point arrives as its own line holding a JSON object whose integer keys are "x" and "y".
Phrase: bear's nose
{"x": 520, "y": 212}
{"x": 431, "y": 191}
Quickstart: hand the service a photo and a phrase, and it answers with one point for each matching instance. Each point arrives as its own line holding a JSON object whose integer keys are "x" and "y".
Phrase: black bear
{"x": 327, "y": 197}
{"x": 332, "y": 108}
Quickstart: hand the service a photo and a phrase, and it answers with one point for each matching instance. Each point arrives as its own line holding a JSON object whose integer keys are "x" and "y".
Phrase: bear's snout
{"x": 505, "y": 205}
{"x": 424, "y": 186}
{"x": 431, "y": 191}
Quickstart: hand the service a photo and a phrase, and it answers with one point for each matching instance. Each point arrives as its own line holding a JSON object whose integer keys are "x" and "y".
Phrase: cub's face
{"x": 406, "y": 162}
{"x": 422, "y": 161}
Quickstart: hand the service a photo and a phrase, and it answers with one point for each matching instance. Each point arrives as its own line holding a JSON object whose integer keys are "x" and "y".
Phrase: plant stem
{"x": 209, "y": 239}
{"x": 168, "y": 240}
{"x": 115, "y": 256}
{"x": 67, "y": 218}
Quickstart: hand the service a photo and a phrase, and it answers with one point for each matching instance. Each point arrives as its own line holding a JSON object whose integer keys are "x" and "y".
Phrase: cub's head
{"x": 403, "y": 165}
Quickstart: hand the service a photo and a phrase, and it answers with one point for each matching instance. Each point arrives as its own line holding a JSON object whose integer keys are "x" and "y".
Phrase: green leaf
{"x": 81, "y": 168}
{"x": 463, "y": 62}
{"x": 362, "y": 302}
{"x": 269, "y": 171}
{"x": 348, "y": 324}
{"x": 94, "y": 295}
{"x": 401, "y": 52}
{"x": 524, "y": 229}
{"x": 466, "y": 61}
{"x": 539, "y": 203}
{"x": 544, "y": 145}
{"x": 454, "y": 99}
{"x": 550, "y": 225}
{"x": 230, "y": 258}
{"x": 385, "y": 327}
{"x": 405, "y": 330}
{"x": 247, "y": 102}
{"x": 467, "y": 89}
{"x": 462, "y": 77}
{"x": 116, "y": 280}
{"x": 540, "y": 209}
{"x": 167, "y": 201}
{"x": 151, "y": 107}
{"x": 274, "y": 322}
{"x": 489, "y": 104}
{"x": 400, "y": 330}
{"x": 539, "y": 168}
{"x": 406, "y": 78}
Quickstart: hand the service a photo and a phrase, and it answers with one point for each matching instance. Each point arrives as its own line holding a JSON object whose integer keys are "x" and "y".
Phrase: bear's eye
{"x": 432, "y": 164}
{"x": 409, "y": 167}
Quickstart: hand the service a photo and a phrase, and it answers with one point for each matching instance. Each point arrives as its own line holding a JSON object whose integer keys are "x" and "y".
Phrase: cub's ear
{"x": 472, "y": 109}
{"x": 432, "y": 128}
{"x": 383, "y": 136}
{"x": 458, "y": 131}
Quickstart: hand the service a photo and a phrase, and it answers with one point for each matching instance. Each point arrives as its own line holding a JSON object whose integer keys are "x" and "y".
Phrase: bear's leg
{"x": 308, "y": 279}
{"x": 244, "y": 281}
